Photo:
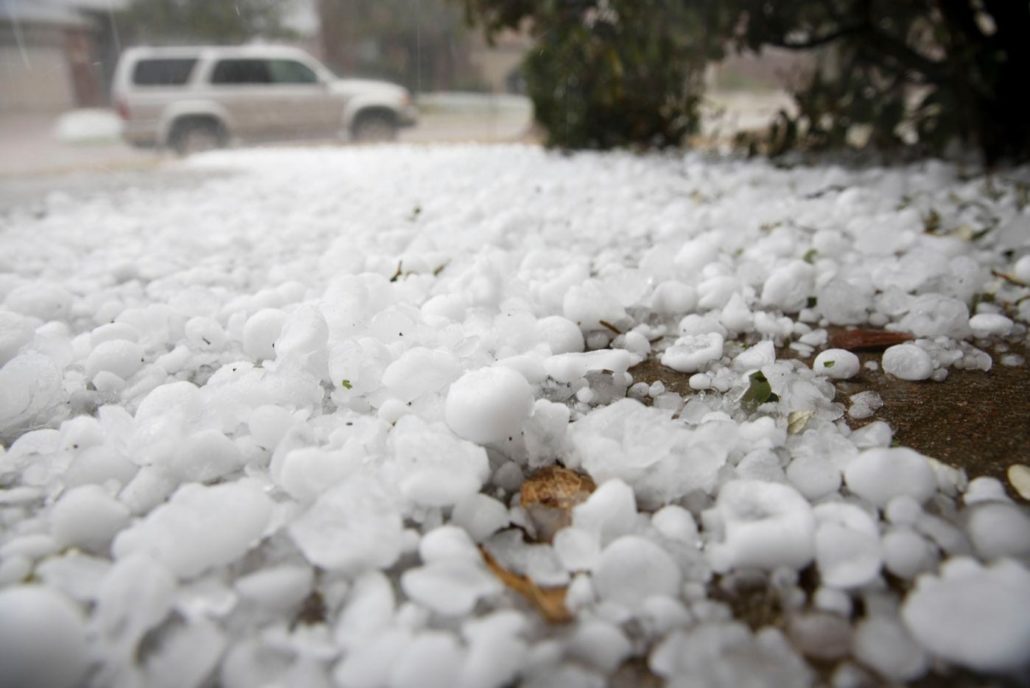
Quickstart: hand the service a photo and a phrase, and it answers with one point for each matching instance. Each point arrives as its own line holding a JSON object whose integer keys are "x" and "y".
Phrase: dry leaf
{"x": 549, "y": 495}
{"x": 549, "y": 601}
{"x": 797, "y": 420}
{"x": 860, "y": 339}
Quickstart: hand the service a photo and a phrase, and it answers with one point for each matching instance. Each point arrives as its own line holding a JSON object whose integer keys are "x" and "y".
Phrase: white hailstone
{"x": 204, "y": 333}
{"x": 480, "y": 515}
{"x": 881, "y": 474}
{"x": 677, "y": 524}
{"x": 268, "y": 424}
{"x": 842, "y": 303}
{"x": 112, "y": 331}
{"x": 307, "y": 472}
{"x": 636, "y": 343}
{"x": 990, "y": 324}
{"x": 973, "y": 615}
{"x": 1021, "y": 270}
{"x": 673, "y": 297}
{"x": 610, "y": 510}
{"x": 420, "y": 371}
{"x": 496, "y": 653}
{"x": 488, "y": 405}
{"x": 42, "y": 639}
{"x": 561, "y": 334}
{"x": 789, "y": 286}
{"x": 876, "y": 434}
{"x": 31, "y": 390}
{"x": 600, "y": 644}
{"x": 840, "y": 364}
{"x": 934, "y": 315}
{"x": 40, "y": 300}
{"x": 260, "y": 332}
{"x": 998, "y": 530}
{"x": 188, "y": 653}
{"x": 573, "y": 367}
{"x": 631, "y": 569}
{"x": 432, "y": 660}
{"x": 205, "y": 456}
{"x": 589, "y": 303}
{"x": 735, "y": 315}
{"x": 370, "y": 664}
{"x": 433, "y": 467}
{"x": 847, "y": 545}
{"x": 885, "y": 645}
{"x": 907, "y": 362}
{"x": 761, "y": 354}
{"x": 700, "y": 381}
{"x": 903, "y": 510}
{"x": 200, "y": 527}
{"x": 353, "y": 526}
{"x": 715, "y": 292}
{"x": 450, "y": 587}
{"x": 765, "y": 525}
{"x": 695, "y": 254}
{"x": 691, "y": 353}
{"x": 814, "y": 476}
{"x": 577, "y": 549}
{"x": 447, "y": 543}
{"x": 277, "y": 588}
{"x": 984, "y": 489}
{"x": 368, "y": 612}
{"x": 15, "y": 332}
{"x": 302, "y": 342}
{"x": 88, "y": 517}
{"x": 906, "y": 552}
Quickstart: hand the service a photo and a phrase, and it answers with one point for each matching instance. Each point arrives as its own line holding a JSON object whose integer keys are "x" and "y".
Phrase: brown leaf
{"x": 867, "y": 340}
{"x": 548, "y": 496}
{"x": 550, "y": 602}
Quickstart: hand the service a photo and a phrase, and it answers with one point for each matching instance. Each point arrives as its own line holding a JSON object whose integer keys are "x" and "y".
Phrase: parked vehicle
{"x": 194, "y": 99}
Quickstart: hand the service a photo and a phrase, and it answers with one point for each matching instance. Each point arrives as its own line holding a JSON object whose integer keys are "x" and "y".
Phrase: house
{"x": 56, "y": 54}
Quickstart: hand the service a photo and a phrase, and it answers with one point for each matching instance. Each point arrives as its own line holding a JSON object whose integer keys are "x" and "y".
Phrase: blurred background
{"x": 58, "y": 58}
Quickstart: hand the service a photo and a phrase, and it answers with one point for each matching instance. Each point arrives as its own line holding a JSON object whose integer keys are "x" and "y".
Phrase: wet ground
{"x": 974, "y": 420}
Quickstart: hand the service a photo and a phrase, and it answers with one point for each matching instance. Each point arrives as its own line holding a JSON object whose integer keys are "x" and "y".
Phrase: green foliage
{"x": 917, "y": 75}
{"x": 606, "y": 73}
{"x": 203, "y": 21}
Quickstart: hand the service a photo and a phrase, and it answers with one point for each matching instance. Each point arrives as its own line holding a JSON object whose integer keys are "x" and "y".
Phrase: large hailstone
{"x": 907, "y": 362}
{"x": 883, "y": 473}
{"x": 764, "y": 525}
{"x": 354, "y": 526}
{"x": 200, "y": 527}
{"x": 42, "y": 639}
{"x": 972, "y": 615}
{"x": 488, "y": 405}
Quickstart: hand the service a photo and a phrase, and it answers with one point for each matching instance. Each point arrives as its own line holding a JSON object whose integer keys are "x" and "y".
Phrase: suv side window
{"x": 163, "y": 72}
{"x": 291, "y": 72}
{"x": 241, "y": 72}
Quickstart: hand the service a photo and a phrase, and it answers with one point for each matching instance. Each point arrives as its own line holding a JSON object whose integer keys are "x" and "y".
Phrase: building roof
{"x": 54, "y": 12}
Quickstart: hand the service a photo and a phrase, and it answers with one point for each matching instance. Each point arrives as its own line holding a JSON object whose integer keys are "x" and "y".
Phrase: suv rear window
{"x": 241, "y": 72}
{"x": 163, "y": 72}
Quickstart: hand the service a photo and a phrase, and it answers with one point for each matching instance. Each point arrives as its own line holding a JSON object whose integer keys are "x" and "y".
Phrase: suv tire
{"x": 375, "y": 126}
{"x": 191, "y": 136}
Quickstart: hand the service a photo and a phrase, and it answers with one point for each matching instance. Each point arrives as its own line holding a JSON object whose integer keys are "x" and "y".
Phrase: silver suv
{"x": 195, "y": 99}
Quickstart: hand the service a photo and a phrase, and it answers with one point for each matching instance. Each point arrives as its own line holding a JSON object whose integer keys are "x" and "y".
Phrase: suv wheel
{"x": 197, "y": 136}
{"x": 372, "y": 127}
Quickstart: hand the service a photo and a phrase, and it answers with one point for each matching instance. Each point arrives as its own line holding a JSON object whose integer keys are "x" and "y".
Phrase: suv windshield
{"x": 163, "y": 72}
